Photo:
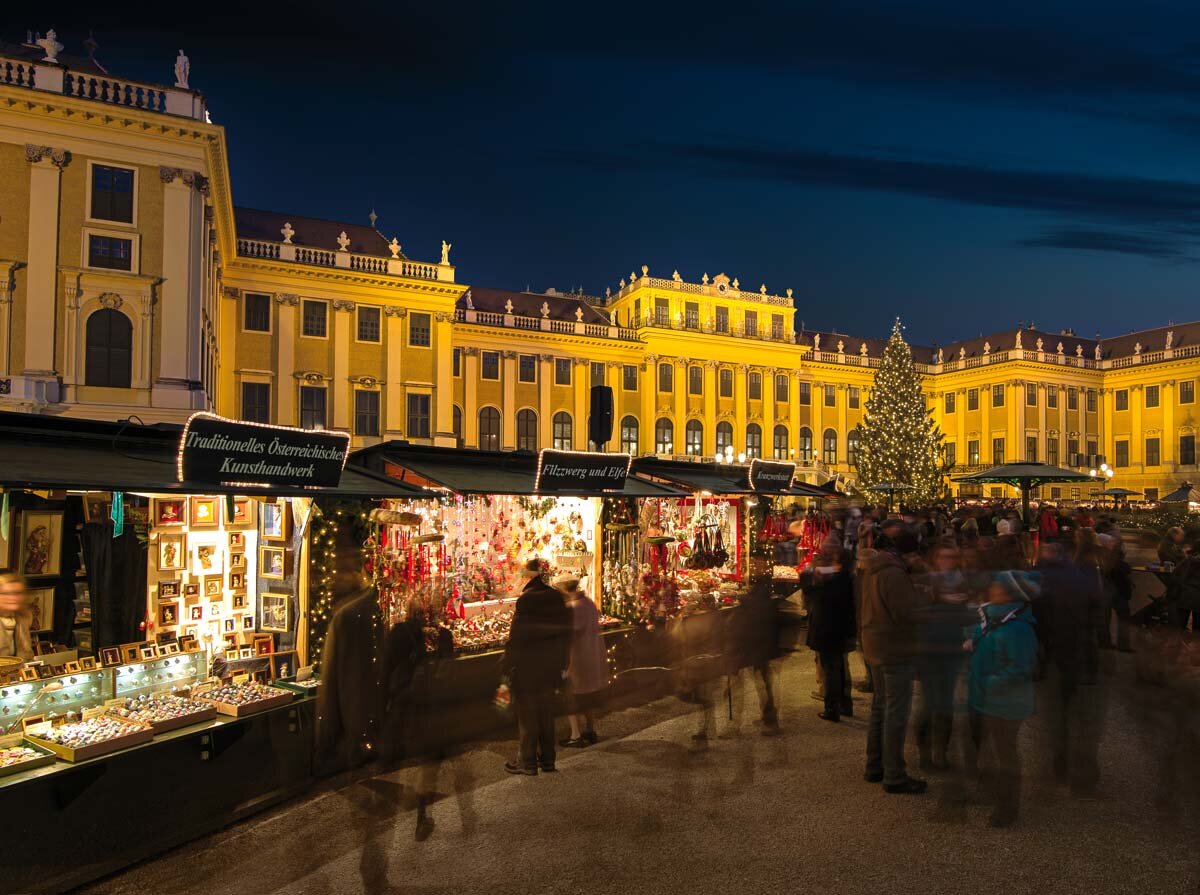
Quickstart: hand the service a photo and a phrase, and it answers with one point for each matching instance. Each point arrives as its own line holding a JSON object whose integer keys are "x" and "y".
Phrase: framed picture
{"x": 239, "y": 601}
{"x": 264, "y": 644}
{"x": 248, "y": 623}
{"x": 87, "y": 663}
{"x": 97, "y": 507}
{"x": 237, "y": 560}
{"x": 212, "y": 587}
{"x": 29, "y": 672}
{"x": 147, "y": 651}
{"x": 272, "y": 562}
{"x": 129, "y": 652}
{"x": 83, "y": 639}
{"x": 215, "y": 609}
{"x": 276, "y": 612}
{"x": 73, "y": 668}
{"x": 243, "y": 511}
{"x": 202, "y": 512}
{"x": 173, "y": 648}
{"x": 283, "y": 665}
{"x": 168, "y": 590}
{"x": 41, "y": 605}
{"x": 187, "y": 643}
{"x": 191, "y": 590}
{"x": 195, "y": 613}
{"x": 230, "y": 624}
{"x": 207, "y": 559}
{"x": 232, "y": 653}
{"x": 237, "y": 540}
{"x": 164, "y": 637}
{"x": 169, "y": 511}
{"x": 237, "y": 581}
{"x": 273, "y": 518}
{"x": 246, "y": 653}
{"x": 230, "y": 640}
{"x": 170, "y": 552}
{"x": 168, "y": 613}
{"x": 40, "y": 545}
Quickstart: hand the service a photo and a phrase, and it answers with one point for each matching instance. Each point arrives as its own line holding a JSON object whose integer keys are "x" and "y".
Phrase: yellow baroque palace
{"x": 130, "y": 283}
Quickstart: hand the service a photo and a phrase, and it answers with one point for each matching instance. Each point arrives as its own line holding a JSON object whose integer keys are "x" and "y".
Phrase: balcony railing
{"x": 781, "y": 301}
{"x": 545, "y": 324}
{"x": 396, "y": 267}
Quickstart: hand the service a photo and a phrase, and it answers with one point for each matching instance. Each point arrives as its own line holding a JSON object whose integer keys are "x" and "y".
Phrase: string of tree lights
{"x": 900, "y": 443}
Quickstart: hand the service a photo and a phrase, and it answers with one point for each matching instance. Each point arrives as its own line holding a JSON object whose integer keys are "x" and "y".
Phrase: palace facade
{"x": 130, "y": 283}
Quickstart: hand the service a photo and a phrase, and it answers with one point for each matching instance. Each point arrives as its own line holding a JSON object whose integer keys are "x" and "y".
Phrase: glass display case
{"x": 166, "y": 673}
{"x": 53, "y": 697}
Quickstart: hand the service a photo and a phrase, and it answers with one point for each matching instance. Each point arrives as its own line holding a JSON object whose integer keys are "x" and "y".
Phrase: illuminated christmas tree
{"x": 900, "y": 443}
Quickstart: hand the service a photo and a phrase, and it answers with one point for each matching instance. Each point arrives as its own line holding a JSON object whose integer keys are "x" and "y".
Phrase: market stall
{"x": 166, "y": 572}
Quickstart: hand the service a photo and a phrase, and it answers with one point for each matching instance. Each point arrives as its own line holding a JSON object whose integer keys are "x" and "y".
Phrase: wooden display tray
{"x": 46, "y": 757}
{"x": 67, "y": 753}
{"x": 293, "y": 687}
{"x": 241, "y": 711}
{"x": 183, "y": 720}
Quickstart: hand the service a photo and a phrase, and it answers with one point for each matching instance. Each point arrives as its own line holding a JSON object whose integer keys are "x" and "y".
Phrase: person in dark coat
{"x": 755, "y": 637}
{"x": 535, "y": 662}
{"x": 829, "y": 598}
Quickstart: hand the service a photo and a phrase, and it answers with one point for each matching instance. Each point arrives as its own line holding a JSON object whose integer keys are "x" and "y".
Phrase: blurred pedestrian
{"x": 829, "y": 598}
{"x": 1003, "y": 651}
{"x": 587, "y": 673}
{"x": 754, "y": 640}
{"x": 1173, "y": 548}
{"x": 15, "y": 618}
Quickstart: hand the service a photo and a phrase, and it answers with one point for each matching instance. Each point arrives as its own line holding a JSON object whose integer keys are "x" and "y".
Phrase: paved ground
{"x": 641, "y": 813}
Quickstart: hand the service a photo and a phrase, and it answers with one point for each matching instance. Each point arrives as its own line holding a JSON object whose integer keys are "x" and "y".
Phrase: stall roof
{"x": 55, "y": 452}
{"x": 470, "y": 471}
{"x": 715, "y": 478}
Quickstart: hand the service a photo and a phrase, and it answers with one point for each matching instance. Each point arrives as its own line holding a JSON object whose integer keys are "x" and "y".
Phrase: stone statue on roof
{"x": 508, "y": 306}
{"x": 816, "y": 341}
{"x": 1060, "y": 347}
{"x": 1170, "y": 339}
{"x": 394, "y": 247}
{"x": 1099, "y": 354}
{"x": 183, "y": 68}
{"x": 470, "y": 300}
{"x": 50, "y": 44}
{"x": 1040, "y": 343}
{"x": 287, "y": 232}
{"x": 446, "y": 247}
{"x": 343, "y": 242}
{"x": 987, "y": 347}
{"x": 962, "y": 352}
{"x": 545, "y": 309}
{"x": 1018, "y": 345}
{"x": 941, "y": 356}
{"x": 862, "y": 349}
{"x": 841, "y": 347}
{"x": 1079, "y": 351}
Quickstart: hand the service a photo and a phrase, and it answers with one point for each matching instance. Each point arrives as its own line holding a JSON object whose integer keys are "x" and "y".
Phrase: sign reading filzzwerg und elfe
{"x": 217, "y": 451}
{"x": 576, "y": 472}
{"x": 767, "y": 476}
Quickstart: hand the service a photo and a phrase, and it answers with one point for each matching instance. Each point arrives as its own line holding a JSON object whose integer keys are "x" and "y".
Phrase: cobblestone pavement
{"x": 643, "y": 812}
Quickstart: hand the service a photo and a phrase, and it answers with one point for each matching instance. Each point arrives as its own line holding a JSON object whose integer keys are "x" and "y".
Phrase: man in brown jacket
{"x": 888, "y": 637}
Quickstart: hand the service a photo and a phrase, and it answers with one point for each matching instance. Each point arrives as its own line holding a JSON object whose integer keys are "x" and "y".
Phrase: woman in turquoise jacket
{"x": 1003, "y": 651}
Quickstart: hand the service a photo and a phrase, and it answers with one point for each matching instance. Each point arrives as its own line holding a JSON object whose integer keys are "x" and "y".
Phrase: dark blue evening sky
{"x": 962, "y": 165}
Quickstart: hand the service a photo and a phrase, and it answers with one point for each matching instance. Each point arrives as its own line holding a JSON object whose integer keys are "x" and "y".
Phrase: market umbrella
{"x": 1115, "y": 493}
{"x": 1025, "y": 476}
{"x": 1186, "y": 493}
{"x": 890, "y": 489}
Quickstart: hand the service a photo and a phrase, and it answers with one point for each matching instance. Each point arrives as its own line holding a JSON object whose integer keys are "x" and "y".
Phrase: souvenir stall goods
{"x": 81, "y": 740}
{"x": 19, "y": 755}
{"x": 245, "y": 698}
{"x": 164, "y": 711}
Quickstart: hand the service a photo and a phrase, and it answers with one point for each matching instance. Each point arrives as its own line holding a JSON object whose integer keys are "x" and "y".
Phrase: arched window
{"x": 629, "y": 435}
{"x": 694, "y": 438}
{"x": 781, "y": 443}
{"x": 804, "y": 450}
{"x": 527, "y": 425}
{"x": 829, "y": 452}
{"x": 754, "y": 440}
{"x": 457, "y": 423}
{"x": 489, "y": 429}
{"x": 853, "y": 445}
{"x": 109, "y": 341}
{"x": 562, "y": 431}
{"x": 664, "y": 437}
{"x": 724, "y": 437}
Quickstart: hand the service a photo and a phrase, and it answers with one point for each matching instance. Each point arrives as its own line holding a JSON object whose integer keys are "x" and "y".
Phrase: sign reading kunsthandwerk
{"x": 576, "y": 472}
{"x": 217, "y": 451}
{"x": 767, "y": 476}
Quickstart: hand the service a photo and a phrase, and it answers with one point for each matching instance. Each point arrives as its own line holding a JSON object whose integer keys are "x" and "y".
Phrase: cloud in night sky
{"x": 1080, "y": 240}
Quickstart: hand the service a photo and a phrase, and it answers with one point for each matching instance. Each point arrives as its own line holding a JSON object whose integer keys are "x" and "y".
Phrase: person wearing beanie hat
{"x": 1003, "y": 650}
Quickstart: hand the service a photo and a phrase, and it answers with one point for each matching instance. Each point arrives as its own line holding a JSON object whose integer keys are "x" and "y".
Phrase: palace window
{"x": 256, "y": 312}
{"x": 1092, "y": 450}
{"x": 489, "y": 429}
{"x": 110, "y": 252}
{"x": 853, "y": 446}
{"x": 1072, "y": 452}
{"x": 666, "y": 377}
{"x": 420, "y": 333}
{"x": 997, "y": 451}
{"x": 527, "y": 368}
{"x": 1152, "y": 452}
{"x": 1052, "y": 451}
{"x": 527, "y": 430}
{"x": 256, "y": 402}
{"x": 1091, "y": 400}
{"x": 691, "y": 315}
{"x": 664, "y": 436}
{"x": 562, "y": 371}
{"x": 662, "y": 312}
{"x": 780, "y": 443}
{"x": 781, "y": 388}
{"x": 562, "y": 431}
{"x": 314, "y": 319}
{"x": 1187, "y": 391}
{"x": 366, "y": 413}
{"x": 853, "y": 397}
{"x": 1187, "y": 450}
{"x": 312, "y": 406}
{"x": 1031, "y": 448}
{"x": 1052, "y": 397}
{"x": 830, "y": 396}
{"x": 1122, "y": 458}
{"x": 973, "y": 452}
{"x": 489, "y": 365}
{"x": 972, "y": 399}
{"x": 1121, "y": 399}
{"x": 777, "y": 327}
{"x": 1031, "y": 394}
{"x": 753, "y": 440}
{"x": 754, "y": 386}
{"x": 369, "y": 329}
{"x": 597, "y": 374}
{"x": 805, "y": 393}
{"x": 751, "y": 324}
{"x": 629, "y": 377}
{"x": 1072, "y": 398}
{"x": 722, "y": 320}
{"x": 726, "y": 383}
{"x": 829, "y": 453}
{"x": 112, "y": 194}
{"x": 457, "y": 425}
{"x": 108, "y": 357}
{"x": 949, "y": 453}
{"x": 998, "y": 395}
{"x": 950, "y": 398}
{"x": 804, "y": 449}
{"x": 693, "y": 435}
{"x": 695, "y": 380}
{"x": 724, "y": 436}
{"x": 1151, "y": 395}
{"x": 1150, "y": 494}
{"x": 456, "y": 361}
{"x": 629, "y": 435}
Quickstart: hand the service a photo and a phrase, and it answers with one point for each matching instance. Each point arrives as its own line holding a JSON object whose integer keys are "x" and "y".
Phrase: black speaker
{"x": 600, "y": 424}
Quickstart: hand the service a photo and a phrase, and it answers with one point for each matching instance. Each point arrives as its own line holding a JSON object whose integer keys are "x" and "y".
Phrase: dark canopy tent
{"x": 469, "y": 471}
{"x": 716, "y": 478}
{"x": 1026, "y": 477}
{"x": 1185, "y": 493}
